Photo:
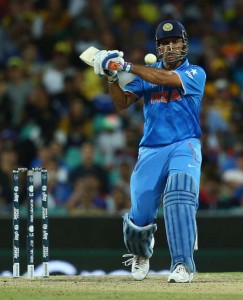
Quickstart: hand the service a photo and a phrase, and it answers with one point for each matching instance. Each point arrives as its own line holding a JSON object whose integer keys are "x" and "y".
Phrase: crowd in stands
{"x": 56, "y": 113}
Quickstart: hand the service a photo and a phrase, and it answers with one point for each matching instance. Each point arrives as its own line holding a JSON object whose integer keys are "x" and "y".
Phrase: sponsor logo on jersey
{"x": 165, "y": 96}
{"x": 191, "y": 73}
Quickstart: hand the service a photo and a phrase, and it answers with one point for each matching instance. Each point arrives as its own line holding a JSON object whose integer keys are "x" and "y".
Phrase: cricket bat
{"x": 88, "y": 57}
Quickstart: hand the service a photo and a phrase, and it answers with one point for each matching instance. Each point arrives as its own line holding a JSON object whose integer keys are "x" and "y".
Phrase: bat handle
{"x": 114, "y": 66}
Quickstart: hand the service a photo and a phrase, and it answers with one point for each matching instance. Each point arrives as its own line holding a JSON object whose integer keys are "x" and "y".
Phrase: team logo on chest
{"x": 165, "y": 96}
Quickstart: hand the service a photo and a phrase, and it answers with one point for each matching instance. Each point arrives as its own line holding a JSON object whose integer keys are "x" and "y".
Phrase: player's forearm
{"x": 154, "y": 75}
{"x": 119, "y": 98}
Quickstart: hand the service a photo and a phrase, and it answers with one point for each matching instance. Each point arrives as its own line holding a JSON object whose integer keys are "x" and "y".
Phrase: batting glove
{"x": 112, "y": 75}
{"x": 98, "y": 58}
{"x": 103, "y": 59}
{"x": 115, "y": 61}
{"x": 110, "y": 60}
{"x": 120, "y": 66}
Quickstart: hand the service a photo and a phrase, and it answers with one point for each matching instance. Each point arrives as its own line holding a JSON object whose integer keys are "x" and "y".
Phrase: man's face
{"x": 169, "y": 49}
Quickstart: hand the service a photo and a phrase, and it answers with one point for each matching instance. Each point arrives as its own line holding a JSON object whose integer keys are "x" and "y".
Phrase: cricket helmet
{"x": 168, "y": 29}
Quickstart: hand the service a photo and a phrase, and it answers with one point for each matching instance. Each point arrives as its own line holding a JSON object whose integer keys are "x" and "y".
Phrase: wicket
{"x": 30, "y": 221}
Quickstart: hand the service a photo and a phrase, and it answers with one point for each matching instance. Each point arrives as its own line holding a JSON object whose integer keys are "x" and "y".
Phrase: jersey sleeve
{"x": 193, "y": 79}
{"x": 135, "y": 86}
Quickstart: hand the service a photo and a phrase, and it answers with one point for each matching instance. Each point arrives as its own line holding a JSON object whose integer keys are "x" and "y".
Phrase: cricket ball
{"x": 150, "y": 59}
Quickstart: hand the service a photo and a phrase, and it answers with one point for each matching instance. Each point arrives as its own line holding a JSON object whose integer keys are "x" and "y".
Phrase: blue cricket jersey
{"x": 171, "y": 114}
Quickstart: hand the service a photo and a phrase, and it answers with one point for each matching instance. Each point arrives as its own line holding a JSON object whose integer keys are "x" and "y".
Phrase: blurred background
{"x": 56, "y": 113}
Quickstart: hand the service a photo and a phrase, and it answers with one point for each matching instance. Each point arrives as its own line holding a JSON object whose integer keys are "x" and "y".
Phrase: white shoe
{"x": 180, "y": 275}
{"x": 140, "y": 266}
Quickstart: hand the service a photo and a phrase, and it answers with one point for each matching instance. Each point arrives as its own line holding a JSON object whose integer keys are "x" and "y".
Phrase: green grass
{"x": 204, "y": 286}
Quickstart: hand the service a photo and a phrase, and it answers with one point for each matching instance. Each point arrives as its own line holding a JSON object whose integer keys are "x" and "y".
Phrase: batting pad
{"x": 138, "y": 240}
{"x": 180, "y": 198}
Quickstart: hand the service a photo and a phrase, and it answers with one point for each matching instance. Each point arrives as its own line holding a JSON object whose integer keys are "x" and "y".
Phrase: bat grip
{"x": 114, "y": 66}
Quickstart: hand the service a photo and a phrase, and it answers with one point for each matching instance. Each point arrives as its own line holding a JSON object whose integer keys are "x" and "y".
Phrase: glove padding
{"x": 103, "y": 59}
{"x": 110, "y": 60}
{"x": 112, "y": 75}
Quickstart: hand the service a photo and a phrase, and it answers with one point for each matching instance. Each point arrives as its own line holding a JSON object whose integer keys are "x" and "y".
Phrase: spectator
{"x": 19, "y": 87}
{"x": 39, "y": 117}
{"x": 118, "y": 202}
{"x": 87, "y": 197}
{"x": 59, "y": 190}
{"x": 77, "y": 125}
{"x": 110, "y": 138}
{"x": 209, "y": 194}
{"x": 234, "y": 180}
{"x": 89, "y": 165}
{"x": 5, "y": 104}
{"x": 60, "y": 66}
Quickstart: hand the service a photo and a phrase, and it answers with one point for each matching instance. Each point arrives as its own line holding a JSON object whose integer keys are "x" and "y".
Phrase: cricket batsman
{"x": 168, "y": 167}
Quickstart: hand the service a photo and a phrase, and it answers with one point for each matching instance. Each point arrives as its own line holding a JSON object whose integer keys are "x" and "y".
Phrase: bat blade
{"x": 88, "y": 55}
